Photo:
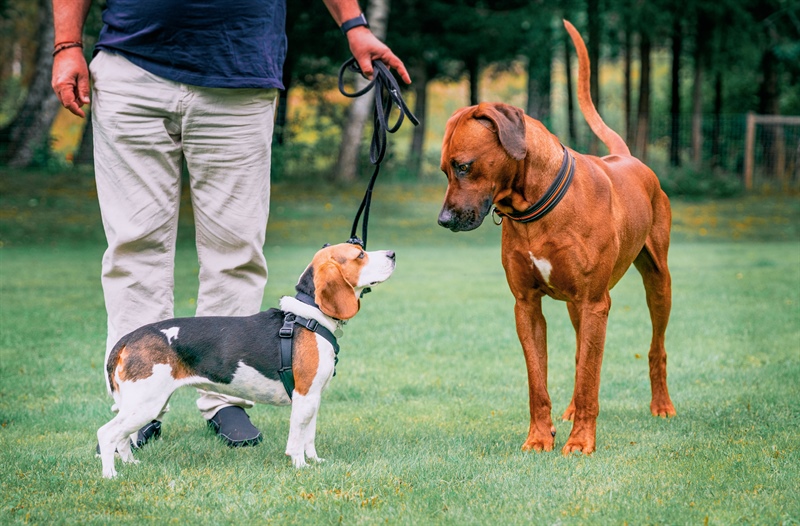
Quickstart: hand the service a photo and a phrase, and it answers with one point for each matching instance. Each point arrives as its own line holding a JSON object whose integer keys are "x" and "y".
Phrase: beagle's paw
{"x": 299, "y": 461}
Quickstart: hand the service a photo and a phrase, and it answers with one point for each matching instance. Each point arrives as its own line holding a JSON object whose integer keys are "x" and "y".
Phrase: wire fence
{"x": 769, "y": 159}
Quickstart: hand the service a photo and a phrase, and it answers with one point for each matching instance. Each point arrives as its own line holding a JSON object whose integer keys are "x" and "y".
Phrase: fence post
{"x": 749, "y": 147}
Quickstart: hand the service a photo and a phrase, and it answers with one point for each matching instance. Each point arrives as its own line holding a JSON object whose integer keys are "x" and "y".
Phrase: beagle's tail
{"x": 615, "y": 144}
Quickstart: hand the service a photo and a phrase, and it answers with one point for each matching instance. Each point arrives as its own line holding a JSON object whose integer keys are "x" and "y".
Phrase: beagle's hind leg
{"x": 139, "y": 403}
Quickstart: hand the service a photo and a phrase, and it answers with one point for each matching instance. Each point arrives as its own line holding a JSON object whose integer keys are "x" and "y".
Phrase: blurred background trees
{"x": 676, "y": 79}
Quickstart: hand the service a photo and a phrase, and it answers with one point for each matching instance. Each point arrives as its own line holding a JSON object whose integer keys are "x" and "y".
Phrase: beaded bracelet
{"x": 61, "y": 46}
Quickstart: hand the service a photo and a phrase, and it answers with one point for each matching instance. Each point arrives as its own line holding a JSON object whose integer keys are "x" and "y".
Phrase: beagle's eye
{"x": 361, "y": 255}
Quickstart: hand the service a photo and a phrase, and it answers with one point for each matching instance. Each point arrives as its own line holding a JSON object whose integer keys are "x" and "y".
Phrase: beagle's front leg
{"x": 302, "y": 428}
{"x": 310, "y": 436}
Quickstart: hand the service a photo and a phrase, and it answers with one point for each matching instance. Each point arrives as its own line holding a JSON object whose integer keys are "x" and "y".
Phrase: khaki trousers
{"x": 144, "y": 128}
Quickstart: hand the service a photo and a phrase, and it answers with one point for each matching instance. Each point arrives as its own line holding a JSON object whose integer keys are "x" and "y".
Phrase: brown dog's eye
{"x": 361, "y": 255}
{"x": 463, "y": 167}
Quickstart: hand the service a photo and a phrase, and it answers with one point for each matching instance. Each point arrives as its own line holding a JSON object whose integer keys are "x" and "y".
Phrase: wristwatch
{"x": 360, "y": 20}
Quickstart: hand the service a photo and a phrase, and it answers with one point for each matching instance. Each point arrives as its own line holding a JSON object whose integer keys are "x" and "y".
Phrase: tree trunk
{"x": 540, "y": 59}
{"x": 643, "y": 110}
{"x": 703, "y": 23}
{"x": 770, "y": 137}
{"x": 361, "y": 108}
{"x": 85, "y": 153}
{"x": 716, "y": 132}
{"x": 593, "y": 14}
{"x": 282, "y": 111}
{"x": 697, "y": 115}
{"x": 420, "y": 89}
{"x": 628, "y": 53}
{"x": 570, "y": 99}
{"x": 29, "y": 130}
{"x": 473, "y": 70}
{"x": 675, "y": 104}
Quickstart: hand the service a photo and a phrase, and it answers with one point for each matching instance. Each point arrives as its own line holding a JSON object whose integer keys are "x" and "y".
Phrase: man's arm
{"x": 70, "y": 72}
{"x": 363, "y": 44}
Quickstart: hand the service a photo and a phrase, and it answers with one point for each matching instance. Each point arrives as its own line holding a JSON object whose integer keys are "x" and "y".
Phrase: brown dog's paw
{"x": 578, "y": 445}
{"x": 581, "y": 439}
{"x": 539, "y": 443}
{"x": 662, "y": 408}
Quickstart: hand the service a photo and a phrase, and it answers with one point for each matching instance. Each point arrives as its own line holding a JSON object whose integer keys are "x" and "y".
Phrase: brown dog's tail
{"x": 615, "y": 144}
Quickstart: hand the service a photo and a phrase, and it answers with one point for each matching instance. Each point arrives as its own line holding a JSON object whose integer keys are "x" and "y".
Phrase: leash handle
{"x": 387, "y": 96}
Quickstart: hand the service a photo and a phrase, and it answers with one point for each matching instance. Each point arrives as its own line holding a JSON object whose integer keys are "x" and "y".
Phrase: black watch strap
{"x": 360, "y": 20}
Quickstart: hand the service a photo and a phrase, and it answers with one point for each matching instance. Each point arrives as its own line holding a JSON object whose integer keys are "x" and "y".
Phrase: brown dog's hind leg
{"x": 532, "y": 331}
{"x": 652, "y": 265}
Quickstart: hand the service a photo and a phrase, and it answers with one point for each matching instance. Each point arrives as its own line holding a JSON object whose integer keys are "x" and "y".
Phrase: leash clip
{"x": 355, "y": 240}
{"x": 497, "y": 219}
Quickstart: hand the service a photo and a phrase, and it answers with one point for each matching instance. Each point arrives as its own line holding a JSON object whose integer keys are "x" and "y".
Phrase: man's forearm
{"x": 342, "y": 10}
{"x": 68, "y": 19}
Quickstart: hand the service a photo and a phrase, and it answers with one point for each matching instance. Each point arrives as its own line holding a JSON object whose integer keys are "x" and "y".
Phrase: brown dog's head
{"x": 338, "y": 274}
{"x": 482, "y": 148}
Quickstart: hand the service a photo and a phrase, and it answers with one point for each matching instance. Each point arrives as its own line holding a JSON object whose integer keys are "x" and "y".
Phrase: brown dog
{"x": 612, "y": 212}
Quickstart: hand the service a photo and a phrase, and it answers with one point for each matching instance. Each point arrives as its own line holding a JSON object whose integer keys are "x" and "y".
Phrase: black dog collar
{"x": 551, "y": 197}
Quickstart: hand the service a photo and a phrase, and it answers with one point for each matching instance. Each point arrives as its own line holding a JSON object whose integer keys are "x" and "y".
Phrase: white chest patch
{"x": 544, "y": 267}
{"x": 171, "y": 334}
{"x": 249, "y": 383}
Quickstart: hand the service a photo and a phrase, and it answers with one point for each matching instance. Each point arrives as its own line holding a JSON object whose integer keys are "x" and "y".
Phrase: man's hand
{"x": 366, "y": 47}
{"x": 71, "y": 79}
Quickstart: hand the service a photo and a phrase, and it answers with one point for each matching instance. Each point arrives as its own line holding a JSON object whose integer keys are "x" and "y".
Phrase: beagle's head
{"x": 338, "y": 274}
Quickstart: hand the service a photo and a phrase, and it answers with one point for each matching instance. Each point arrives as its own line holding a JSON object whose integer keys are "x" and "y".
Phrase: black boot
{"x": 233, "y": 425}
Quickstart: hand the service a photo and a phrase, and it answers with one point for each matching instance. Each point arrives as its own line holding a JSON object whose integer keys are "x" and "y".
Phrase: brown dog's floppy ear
{"x": 334, "y": 295}
{"x": 509, "y": 123}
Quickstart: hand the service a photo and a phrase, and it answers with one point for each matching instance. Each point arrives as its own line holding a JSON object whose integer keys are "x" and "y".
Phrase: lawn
{"x": 424, "y": 421}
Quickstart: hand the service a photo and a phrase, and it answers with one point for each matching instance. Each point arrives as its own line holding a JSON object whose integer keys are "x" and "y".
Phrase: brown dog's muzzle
{"x": 463, "y": 218}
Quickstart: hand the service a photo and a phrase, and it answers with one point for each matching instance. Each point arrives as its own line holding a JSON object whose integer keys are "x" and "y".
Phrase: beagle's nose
{"x": 390, "y": 254}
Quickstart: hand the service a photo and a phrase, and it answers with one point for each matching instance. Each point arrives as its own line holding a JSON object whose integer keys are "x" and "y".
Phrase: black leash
{"x": 387, "y": 95}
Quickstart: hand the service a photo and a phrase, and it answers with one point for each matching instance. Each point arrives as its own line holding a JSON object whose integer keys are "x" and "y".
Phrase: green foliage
{"x": 702, "y": 183}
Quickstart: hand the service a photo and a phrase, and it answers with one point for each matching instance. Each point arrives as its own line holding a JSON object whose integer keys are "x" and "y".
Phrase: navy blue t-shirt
{"x": 212, "y": 43}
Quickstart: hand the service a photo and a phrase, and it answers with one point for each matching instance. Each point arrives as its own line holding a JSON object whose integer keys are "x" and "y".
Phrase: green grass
{"x": 424, "y": 421}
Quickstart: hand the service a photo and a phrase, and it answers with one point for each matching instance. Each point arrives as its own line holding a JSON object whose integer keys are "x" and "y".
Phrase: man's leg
{"x": 137, "y": 151}
{"x": 227, "y": 142}
{"x": 138, "y": 157}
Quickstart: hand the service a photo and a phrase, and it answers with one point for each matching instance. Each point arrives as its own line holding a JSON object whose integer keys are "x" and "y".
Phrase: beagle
{"x": 241, "y": 356}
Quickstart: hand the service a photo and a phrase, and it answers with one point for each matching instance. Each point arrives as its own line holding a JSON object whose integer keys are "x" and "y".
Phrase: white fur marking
{"x": 171, "y": 334}
{"x": 249, "y": 383}
{"x": 303, "y": 421}
{"x": 544, "y": 266}
{"x": 378, "y": 270}
{"x": 295, "y": 306}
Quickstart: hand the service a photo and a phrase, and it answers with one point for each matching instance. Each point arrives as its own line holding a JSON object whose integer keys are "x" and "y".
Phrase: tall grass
{"x": 424, "y": 421}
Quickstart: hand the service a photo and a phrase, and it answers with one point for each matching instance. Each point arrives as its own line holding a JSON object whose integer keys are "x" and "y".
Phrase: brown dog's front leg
{"x": 532, "y": 331}
{"x": 575, "y": 318}
{"x": 592, "y": 322}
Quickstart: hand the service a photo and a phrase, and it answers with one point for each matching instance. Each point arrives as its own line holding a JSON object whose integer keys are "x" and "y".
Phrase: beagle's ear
{"x": 334, "y": 295}
{"x": 509, "y": 124}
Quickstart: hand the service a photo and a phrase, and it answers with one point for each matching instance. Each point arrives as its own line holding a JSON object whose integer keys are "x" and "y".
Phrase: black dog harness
{"x": 287, "y": 343}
